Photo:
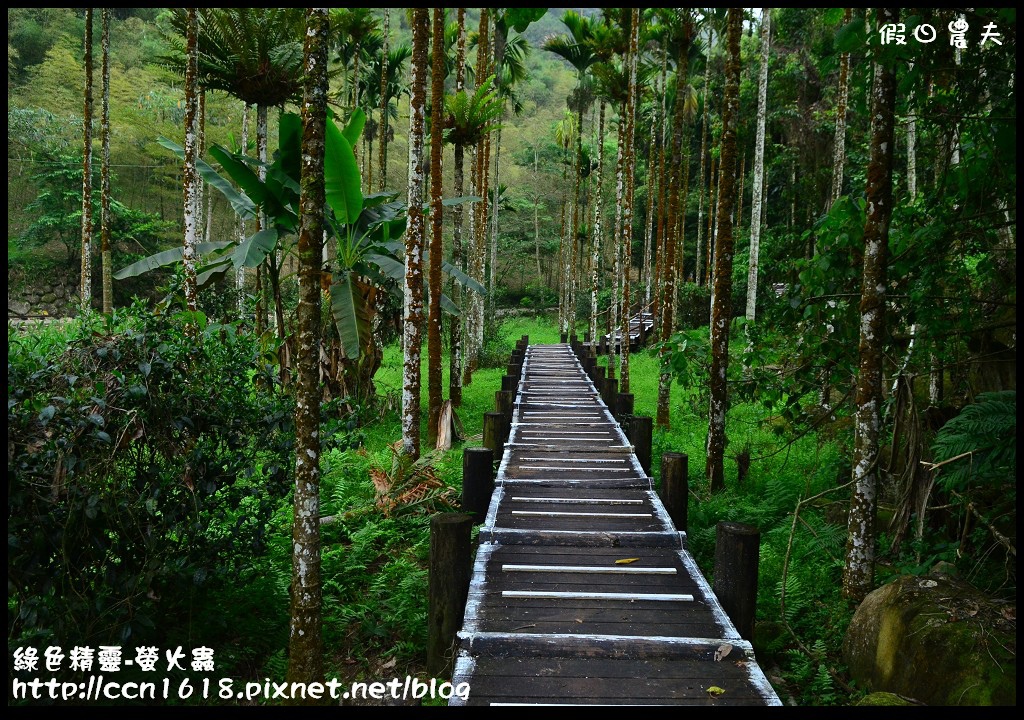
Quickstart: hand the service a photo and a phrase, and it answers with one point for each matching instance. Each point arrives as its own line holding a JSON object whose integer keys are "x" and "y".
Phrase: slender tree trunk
{"x": 838, "y": 167}
{"x": 434, "y": 390}
{"x": 595, "y": 248}
{"x": 240, "y": 273}
{"x": 646, "y": 270}
{"x": 669, "y": 277}
{"x": 414, "y": 240}
{"x": 500, "y": 39}
{"x": 382, "y": 179}
{"x": 755, "y": 215}
{"x": 627, "y": 208}
{"x": 912, "y": 146}
{"x": 839, "y": 144}
{"x": 681, "y": 244}
{"x": 712, "y": 187}
{"x": 659, "y": 254}
{"x": 261, "y": 172}
{"x": 478, "y": 230}
{"x": 858, "y": 575}
{"x": 616, "y": 300}
{"x": 536, "y": 219}
{"x": 721, "y": 308}
{"x": 190, "y": 176}
{"x": 305, "y": 641}
{"x": 705, "y": 180}
{"x": 458, "y": 259}
{"x": 108, "y": 280}
{"x": 85, "y": 291}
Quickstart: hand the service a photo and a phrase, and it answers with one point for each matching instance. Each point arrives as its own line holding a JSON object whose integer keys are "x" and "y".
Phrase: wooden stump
{"x": 675, "y": 486}
{"x": 477, "y": 481}
{"x": 736, "y": 556}
{"x": 450, "y": 553}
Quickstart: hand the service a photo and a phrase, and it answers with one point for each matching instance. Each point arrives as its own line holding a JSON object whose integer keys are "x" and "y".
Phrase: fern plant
{"x": 979, "y": 445}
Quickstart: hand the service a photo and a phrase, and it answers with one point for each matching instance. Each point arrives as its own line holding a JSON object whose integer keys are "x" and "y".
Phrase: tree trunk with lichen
{"x": 858, "y": 573}
{"x": 721, "y": 306}
{"x": 305, "y": 642}
{"x": 85, "y": 287}
{"x": 107, "y": 255}
{"x": 755, "y": 215}
{"x": 458, "y": 256}
{"x": 627, "y": 207}
{"x": 669, "y": 278}
{"x": 190, "y": 177}
{"x": 413, "y": 287}
{"x": 434, "y": 391}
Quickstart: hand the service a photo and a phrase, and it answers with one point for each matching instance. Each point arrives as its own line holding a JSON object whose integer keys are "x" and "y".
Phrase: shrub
{"x": 142, "y": 466}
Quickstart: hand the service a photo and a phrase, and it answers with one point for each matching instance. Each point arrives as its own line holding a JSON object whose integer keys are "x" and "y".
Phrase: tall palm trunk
{"x": 755, "y": 216}
{"x": 858, "y": 575}
{"x": 839, "y": 144}
{"x": 458, "y": 259}
{"x": 645, "y": 268}
{"x": 670, "y": 278}
{"x": 627, "y": 208}
{"x": 595, "y": 247}
{"x": 413, "y": 288}
{"x": 616, "y": 300}
{"x": 662, "y": 192}
{"x": 85, "y": 292}
{"x": 478, "y": 229}
{"x": 434, "y": 391}
{"x": 721, "y": 308}
{"x": 705, "y": 181}
{"x": 382, "y": 179}
{"x": 500, "y": 39}
{"x": 190, "y": 178}
{"x": 240, "y": 273}
{"x": 305, "y": 641}
{"x": 108, "y": 280}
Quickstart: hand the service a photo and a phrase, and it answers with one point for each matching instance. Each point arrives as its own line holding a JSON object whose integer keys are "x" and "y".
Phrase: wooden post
{"x": 598, "y": 377}
{"x": 448, "y": 583}
{"x": 526, "y": 340}
{"x": 586, "y": 337}
{"x": 494, "y": 434}
{"x": 504, "y": 402}
{"x": 610, "y": 394}
{"x": 563, "y": 338}
{"x": 508, "y": 382}
{"x": 624, "y": 404}
{"x": 602, "y": 346}
{"x": 641, "y": 435}
{"x": 736, "y": 556}
{"x": 675, "y": 486}
{"x": 477, "y": 481}
{"x": 515, "y": 370}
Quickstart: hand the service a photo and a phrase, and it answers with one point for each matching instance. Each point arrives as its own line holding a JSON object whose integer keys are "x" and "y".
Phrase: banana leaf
{"x": 240, "y": 203}
{"x": 350, "y": 312}
{"x": 164, "y": 258}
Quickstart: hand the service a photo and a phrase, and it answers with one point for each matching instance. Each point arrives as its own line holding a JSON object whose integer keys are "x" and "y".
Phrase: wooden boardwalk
{"x": 583, "y": 591}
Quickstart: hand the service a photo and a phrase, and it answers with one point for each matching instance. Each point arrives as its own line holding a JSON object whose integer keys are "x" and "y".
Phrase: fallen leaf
{"x": 715, "y": 691}
{"x": 722, "y": 652}
{"x": 626, "y": 561}
{"x": 389, "y": 664}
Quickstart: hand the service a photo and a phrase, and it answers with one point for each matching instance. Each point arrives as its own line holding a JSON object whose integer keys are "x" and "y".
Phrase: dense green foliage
{"x": 149, "y": 476}
{"x": 140, "y": 466}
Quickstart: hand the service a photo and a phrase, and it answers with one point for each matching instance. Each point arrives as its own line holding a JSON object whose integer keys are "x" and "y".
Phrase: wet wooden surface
{"x": 583, "y": 591}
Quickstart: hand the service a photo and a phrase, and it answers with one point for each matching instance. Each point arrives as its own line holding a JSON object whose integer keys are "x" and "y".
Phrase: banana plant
{"x": 366, "y": 228}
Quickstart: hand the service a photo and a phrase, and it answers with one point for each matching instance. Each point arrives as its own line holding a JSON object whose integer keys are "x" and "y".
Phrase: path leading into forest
{"x": 583, "y": 591}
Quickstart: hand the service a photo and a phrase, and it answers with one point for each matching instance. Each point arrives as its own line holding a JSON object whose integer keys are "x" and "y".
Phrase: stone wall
{"x": 55, "y": 299}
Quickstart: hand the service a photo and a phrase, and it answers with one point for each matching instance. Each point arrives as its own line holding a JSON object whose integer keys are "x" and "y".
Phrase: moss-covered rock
{"x": 936, "y": 639}
{"x": 884, "y": 698}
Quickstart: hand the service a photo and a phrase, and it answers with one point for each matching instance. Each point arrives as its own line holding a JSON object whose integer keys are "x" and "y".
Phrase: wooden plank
{"x": 570, "y": 595}
{"x": 613, "y": 569}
